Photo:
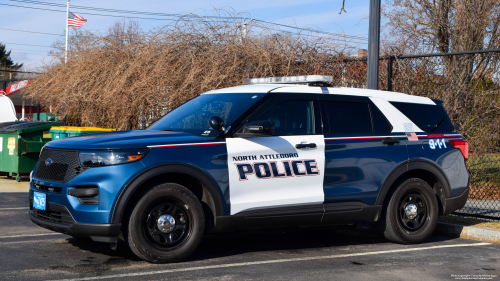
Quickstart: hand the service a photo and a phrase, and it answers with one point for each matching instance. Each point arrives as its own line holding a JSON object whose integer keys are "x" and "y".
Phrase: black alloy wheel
{"x": 166, "y": 225}
{"x": 411, "y": 212}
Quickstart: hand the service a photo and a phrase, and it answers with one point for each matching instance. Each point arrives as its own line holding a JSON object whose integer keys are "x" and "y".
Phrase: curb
{"x": 468, "y": 232}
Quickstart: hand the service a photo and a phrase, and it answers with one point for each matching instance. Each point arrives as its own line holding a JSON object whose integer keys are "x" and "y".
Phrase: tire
{"x": 407, "y": 224}
{"x": 150, "y": 232}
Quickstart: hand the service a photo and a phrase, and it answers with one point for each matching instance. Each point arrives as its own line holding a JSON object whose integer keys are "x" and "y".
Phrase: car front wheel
{"x": 166, "y": 225}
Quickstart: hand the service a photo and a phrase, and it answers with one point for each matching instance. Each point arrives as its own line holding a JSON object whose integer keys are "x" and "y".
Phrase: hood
{"x": 125, "y": 140}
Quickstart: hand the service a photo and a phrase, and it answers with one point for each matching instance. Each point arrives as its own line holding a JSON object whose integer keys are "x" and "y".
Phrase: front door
{"x": 278, "y": 179}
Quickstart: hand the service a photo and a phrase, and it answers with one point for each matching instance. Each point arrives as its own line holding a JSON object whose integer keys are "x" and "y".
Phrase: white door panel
{"x": 270, "y": 171}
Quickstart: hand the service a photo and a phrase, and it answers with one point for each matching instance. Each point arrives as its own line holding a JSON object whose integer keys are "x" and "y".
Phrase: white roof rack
{"x": 290, "y": 79}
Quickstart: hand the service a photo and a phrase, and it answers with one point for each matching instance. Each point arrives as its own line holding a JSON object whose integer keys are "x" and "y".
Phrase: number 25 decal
{"x": 437, "y": 143}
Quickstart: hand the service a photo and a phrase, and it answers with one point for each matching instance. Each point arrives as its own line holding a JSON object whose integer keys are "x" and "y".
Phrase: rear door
{"x": 361, "y": 150}
{"x": 271, "y": 179}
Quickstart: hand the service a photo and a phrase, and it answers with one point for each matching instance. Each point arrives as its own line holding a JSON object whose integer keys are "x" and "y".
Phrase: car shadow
{"x": 287, "y": 240}
{"x": 293, "y": 240}
{"x": 122, "y": 250}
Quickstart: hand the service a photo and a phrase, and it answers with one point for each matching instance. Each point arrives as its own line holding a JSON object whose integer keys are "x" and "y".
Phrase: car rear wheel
{"x": 411, "y": 213}
{"x": 166, "y": 225}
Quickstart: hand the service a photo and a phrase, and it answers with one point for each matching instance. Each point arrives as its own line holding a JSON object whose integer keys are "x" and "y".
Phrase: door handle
{"x": 305, "y": 145}
{"x": 390, "y": 141}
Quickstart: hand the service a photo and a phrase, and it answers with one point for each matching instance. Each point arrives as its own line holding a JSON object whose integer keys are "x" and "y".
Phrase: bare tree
{"x": 443, "y": 25}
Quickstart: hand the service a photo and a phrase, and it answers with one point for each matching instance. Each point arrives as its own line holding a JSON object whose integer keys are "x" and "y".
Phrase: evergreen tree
{"x": 5, "y": 60}
{"x": 7, "y": 63}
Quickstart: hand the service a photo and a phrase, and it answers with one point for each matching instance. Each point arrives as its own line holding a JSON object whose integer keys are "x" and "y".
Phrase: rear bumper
{"x": 107, "y": 233}
{"x": 454, "y": 203}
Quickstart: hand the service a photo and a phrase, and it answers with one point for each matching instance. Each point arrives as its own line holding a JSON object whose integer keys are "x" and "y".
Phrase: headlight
{"x": 96, "y": 158}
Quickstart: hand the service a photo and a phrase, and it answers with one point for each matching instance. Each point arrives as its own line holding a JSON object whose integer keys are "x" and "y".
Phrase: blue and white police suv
{"x": 281, "y": 151}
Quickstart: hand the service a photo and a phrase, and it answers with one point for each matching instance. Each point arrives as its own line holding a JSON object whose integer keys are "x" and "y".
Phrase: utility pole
{"x": 244, "y": 25}
{"x": 66, "y": 21}
{"x": 373, "y": 45}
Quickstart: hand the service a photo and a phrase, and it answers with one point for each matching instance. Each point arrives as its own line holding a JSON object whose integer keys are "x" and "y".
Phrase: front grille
{"x": 65, "y": 165}
{"x": 53, "y": 213}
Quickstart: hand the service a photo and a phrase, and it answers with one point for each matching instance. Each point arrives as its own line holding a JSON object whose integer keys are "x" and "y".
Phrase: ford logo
{"x": 48, "y": 162}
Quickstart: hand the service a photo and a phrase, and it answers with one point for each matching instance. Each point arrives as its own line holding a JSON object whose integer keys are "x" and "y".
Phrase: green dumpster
{"x": 20, "y": 145}
{"x": 63, "y": 132}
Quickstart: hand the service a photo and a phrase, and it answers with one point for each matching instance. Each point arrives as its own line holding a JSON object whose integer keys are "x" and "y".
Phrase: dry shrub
{"x": 128, "y": 77}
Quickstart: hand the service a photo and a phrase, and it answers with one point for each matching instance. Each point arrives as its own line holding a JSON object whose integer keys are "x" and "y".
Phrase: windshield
{"x": 192, "y": 117}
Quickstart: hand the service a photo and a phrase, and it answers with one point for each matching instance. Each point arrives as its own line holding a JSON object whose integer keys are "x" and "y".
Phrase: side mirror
{"x": 258, "y": 128}
{"x": 216, "y": 123}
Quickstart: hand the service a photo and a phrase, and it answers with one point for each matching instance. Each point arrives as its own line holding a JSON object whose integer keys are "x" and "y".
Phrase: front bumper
{"x": 108, "y": 179}
{"x": 97, "y": 232}
{"x": 67, "y": 214}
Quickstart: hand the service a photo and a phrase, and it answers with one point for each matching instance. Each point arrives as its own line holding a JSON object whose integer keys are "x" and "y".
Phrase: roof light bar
{"x": 290, "y": 79}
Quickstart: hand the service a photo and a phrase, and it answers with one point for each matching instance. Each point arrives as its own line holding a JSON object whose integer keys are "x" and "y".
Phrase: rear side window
{"x": 354, "y": 118}
{"x": 428, "y": 117}
{"x": 380, "y": 123}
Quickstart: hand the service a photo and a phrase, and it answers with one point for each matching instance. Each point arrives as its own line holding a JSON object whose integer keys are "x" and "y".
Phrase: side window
{"x": 294, "y": 117}
{"x": 380, "y": 123}
{"x": 428, "y": 117}
{"x": 348, "y": 117}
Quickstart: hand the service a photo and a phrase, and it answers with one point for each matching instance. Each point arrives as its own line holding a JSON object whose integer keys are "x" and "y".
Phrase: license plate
{"x": 39, "y": 201}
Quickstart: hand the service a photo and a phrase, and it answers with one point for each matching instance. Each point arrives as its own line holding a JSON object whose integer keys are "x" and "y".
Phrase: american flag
{"x": 75, "y": 20}
{"x": 412, "y": 136}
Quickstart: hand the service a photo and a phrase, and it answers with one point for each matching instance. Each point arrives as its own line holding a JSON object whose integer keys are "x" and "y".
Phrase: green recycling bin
{"x": 65, "y": 131}
{"x": 59, "y": 132}
{"x": 20, "y": 145}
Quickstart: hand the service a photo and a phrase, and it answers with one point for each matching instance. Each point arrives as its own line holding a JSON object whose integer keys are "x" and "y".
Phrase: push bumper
{"x": 454, "y": 203}
{"x": 107, "y": 233}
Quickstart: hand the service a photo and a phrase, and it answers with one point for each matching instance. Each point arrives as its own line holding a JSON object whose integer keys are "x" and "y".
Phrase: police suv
{"x": 280, "y": 151}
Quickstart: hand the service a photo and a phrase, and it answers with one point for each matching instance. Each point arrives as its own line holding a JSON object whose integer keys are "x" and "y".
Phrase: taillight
{"x": 463, "y": 145}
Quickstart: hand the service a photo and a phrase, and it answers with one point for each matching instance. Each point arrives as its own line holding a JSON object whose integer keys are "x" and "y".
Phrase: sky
{"x": 31, "y": 48}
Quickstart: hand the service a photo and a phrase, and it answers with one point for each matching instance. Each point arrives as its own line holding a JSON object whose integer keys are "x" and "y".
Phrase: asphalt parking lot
{"x": 28, "y": 252}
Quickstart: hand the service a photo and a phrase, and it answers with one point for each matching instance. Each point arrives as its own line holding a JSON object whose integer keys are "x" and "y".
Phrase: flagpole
{"x": 66, "y": 50}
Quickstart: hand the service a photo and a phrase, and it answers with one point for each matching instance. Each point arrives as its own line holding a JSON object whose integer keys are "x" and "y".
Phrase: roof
{"x": 291, "y": 88}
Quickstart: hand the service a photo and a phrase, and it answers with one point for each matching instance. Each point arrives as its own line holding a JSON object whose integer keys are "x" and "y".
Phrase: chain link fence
{"x": 469, "y": 85}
